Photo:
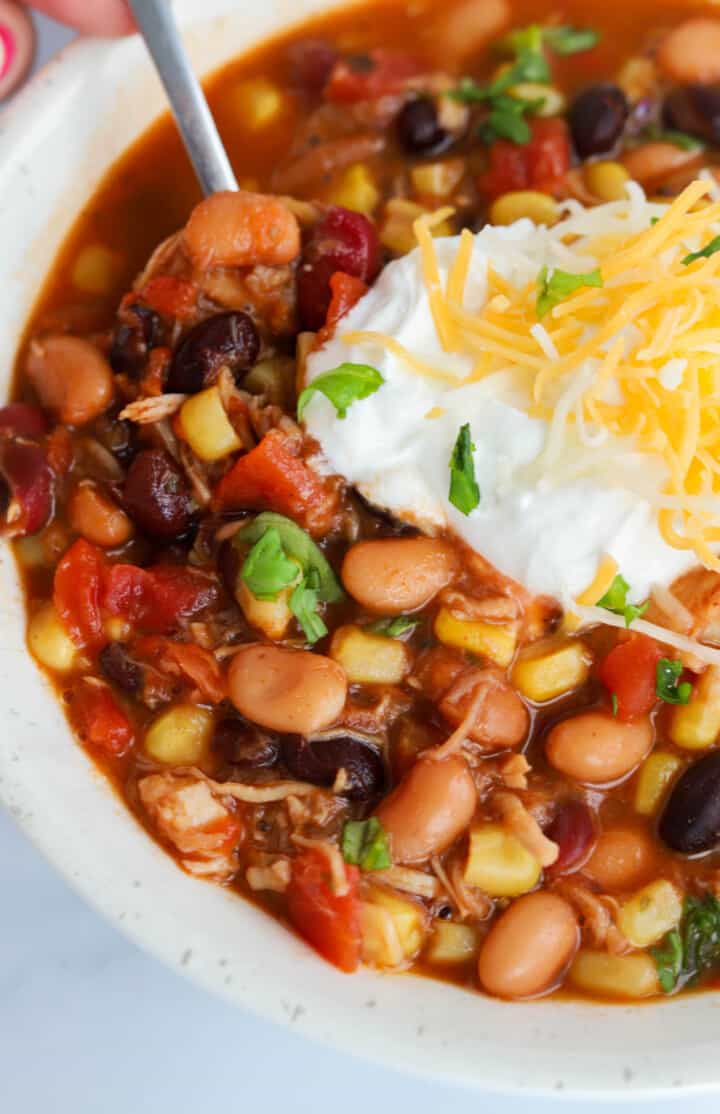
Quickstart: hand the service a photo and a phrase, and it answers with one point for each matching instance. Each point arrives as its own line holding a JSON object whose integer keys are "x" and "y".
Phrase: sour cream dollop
{"x": 549, "y": 531}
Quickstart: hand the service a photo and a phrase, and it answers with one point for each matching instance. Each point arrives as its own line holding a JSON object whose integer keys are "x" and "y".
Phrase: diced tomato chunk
{"x": 540, "y": 164}
{"x": 30, "y": 483}
{"x": 170, "y": 296}
{"x": 272, "y": 476}
{"x": 364, "y": 77}
{"x": 156, "y": 599}
{"x": 76, "y": 593}
{"x": 346, "y": 292}
{"x": 328, "y": 921}
{"x": 629, "y": 673}
{"x": 99, "y": 719}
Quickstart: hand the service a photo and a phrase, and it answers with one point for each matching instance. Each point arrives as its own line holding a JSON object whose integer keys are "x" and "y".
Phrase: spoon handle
{"x": 187, "y": 100}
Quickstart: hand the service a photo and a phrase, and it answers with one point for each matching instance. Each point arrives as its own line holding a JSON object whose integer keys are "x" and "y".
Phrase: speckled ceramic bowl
{"x": 55, "y": 145}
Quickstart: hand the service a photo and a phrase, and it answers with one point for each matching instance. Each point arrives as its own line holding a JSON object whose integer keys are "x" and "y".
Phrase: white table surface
{"x": 91, "y": 1025}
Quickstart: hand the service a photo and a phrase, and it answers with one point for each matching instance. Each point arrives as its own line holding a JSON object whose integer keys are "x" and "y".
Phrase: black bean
{"x": 597, "y": 118}
{"x": 245, "y": 745}
{"x": 118, "y": 666}
{"x": 133, "y": 339}
{"x": 690, "y": 821}
{"x": 694, "y": 109}
{"x": 419, "y": 130}
{"x": 225, "y": 340}
{"x": 319, "y": 759}
{"x": 156, "y": 495}
{"x": 118, "y": 436}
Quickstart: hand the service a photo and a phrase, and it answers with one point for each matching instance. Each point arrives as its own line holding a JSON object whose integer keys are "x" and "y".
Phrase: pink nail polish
{"x": 17, "y": 45}
{"x": 8, "y": 49}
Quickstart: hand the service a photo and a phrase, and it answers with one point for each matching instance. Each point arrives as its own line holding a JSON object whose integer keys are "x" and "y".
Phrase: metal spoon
{"x": 187, "y": 100}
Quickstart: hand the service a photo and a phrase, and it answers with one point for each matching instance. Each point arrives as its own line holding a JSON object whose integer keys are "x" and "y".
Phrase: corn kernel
{"x": 606, "y": 180}
{"x": 356, "y": 190}
{"x": 451, "y": 944}
{"x": 96, "y": 270}
{"x": 50, "y": 642}
{"x": 696, "y": 726}
{"x": 369, "y": 659}
{"x": 117, "y": 629}
{"x": 650, "y": 913}
{"x": 614, "y": 976}
{"x": 397, "y": 229}
{"x": 499, "y": 864}
{"x": 206, "y": 428}
{"x": 543, "y": 677}
{"x": 180, "y": 736}
{"x": 272, "y": 617}
{"x": 438, "y": 179}
{"x": 258, "y": 102}
{"x": 653, "y": 780}
{"x": 554, "y": 103}
{"x": 538, "y": 207}
{"x": 393, "y": 928}
{"x": 486, "y": 639}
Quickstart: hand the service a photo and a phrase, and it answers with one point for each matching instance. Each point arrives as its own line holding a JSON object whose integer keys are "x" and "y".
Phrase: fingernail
{"x": 8, "y": 49}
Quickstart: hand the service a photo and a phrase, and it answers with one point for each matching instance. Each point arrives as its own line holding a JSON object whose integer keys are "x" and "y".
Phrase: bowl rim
{"x": 318, "y": 1017}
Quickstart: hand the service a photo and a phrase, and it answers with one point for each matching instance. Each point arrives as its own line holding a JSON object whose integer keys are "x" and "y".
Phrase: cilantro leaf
{"x": 304, "y": 606}
{"x": 667, "y": 674}
{"x": 704, "y": 253}
{"x": 556, "y": 287}
{"x": 566, "y": 40}
{"x": 464, "y": 491}
{"x": 522, "y": 38}
{"x": 365, "y": 844}
{"x": 267, "y": 570}
{"x": 678, "y": 139}
{"x": 614, "y": 703}
{"x": 343, "y": 385}
{"x": 506, "y": 112}
{"x": 615, "y": 600}
{"x": 393, "y": 628}
{"x": 507, "y": 119}
{"x": 692, "y": 950}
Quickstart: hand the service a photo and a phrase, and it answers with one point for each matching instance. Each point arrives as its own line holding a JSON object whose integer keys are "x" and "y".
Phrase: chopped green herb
{"x": 615, "y": 600}
{"x": 530, "y": 67}
{"x": 344, "y": 385}
{"x": 296, "y": 543}
{"x": 506, "y": 113}
{"x": 667, "y": 674}
{"x": 507, "y": 119}
{"x": 704, "y": 253}
{"x": 267, "y": 569}
{"x": 654, "y": 221}
{"x": 614, "y": 703}
{"x": 693, "y": 950}
{"x": 677, "y": 139}
{"x": 304, "y": 606}
{"x": 393, "y": 628}
{"x": 522, "y": 38}
{"x": 567, "y": 40}
{"x": 365, "y": 844}
{"x": 556, "y": 287}
{"x": 464, "y": 490}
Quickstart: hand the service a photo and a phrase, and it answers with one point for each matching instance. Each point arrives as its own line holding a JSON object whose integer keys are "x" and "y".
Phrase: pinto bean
{"x": 467, "y": 28}
{"x": 530, "y": 947}
{"x": 290, "y": 691}
{"x": 502, "y": 720}
{"x": 242, "y": 229}
{"x": 651, "y": 163}
{"x": 71, "y": 377}
{"x": 393, "y": 575}
{"x": 691, "y": 52}
{"x": 596, "y": 749}
{"x": 98, "y": 518}
{"x": 622, "y": 859}
{"x": 433, "y": 804}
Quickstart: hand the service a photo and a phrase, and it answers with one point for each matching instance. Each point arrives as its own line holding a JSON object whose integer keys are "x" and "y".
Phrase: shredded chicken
{"x": 187, "y": 814}
{"x": 196, "y": 474}
{"x": 514, "y": 770}
{"x": 470, "y": 902}
{"x": 409, "y": 881}
{"x": 275, "y": 877}
{"x": 598, "y": 913}
{"x": 460, "y": 735}
{"x": 257, "y": 794}
{"x": 338, "y": 875}
{"x": 523, "y": 825}
{"x": 147, "y": 411}
{"x": 491, "y": 609}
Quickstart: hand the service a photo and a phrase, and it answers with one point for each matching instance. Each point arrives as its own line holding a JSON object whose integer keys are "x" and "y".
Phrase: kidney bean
{"x": 597, "y": 118}
{"x": 690, "y": 821}
{"x": 71, "y": 377}
{"x": 622, "y": 859}
{"x": 156, "y": 495}
{"x": 225, "y": 340}
{"x": 243, "y": 744}
{"x": 433, "y": 805}
{"x": 341, "y": 241}
{"x": 597, "y": 749}
{"x": 394, "y": 575}
{"x": 289, "y": 691}
{"x": 310, "y": 62}
{"x": 530, "y": 947}
{"x": 20, "y": 419}
{"x": 694, "y": 109}
{"x": 573, "y": 830}
{"x": 419, "y": 130}
{"x": 318, "y": 760}
{"x": 29, "y": 486}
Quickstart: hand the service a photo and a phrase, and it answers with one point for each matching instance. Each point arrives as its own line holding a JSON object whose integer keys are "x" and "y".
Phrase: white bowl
{"x": 55, "y": 145}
